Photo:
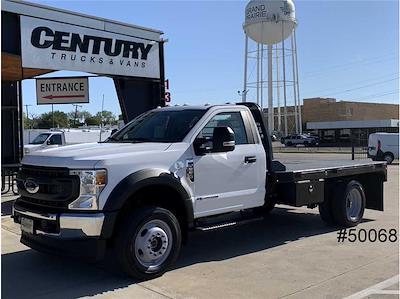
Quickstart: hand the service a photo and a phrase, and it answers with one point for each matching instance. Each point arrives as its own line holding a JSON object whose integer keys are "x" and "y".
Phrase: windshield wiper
{"x": 111, "y": 138}
{"x": 139, "y": 139}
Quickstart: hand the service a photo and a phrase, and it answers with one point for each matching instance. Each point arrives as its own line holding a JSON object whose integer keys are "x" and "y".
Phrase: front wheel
{"x": 148, "y": 242}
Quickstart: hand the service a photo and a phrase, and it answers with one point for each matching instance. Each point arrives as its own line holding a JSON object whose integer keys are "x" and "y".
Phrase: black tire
{"x": 266, "y": 208}
{"x": 388, "y": 157}
{"x": 127, "y": 234}
{"x": 340, "y": 203}
{"x": 325, "y": 212}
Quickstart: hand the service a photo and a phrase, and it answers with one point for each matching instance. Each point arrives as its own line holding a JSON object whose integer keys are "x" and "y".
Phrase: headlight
{"x": 92, "y": 182}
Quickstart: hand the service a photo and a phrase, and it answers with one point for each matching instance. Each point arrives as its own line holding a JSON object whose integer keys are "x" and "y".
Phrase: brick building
{"x": 328, "y": 109}
{"x": 342, "y": 121}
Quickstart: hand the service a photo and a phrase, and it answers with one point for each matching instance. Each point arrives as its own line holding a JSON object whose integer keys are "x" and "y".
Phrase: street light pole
{"x": 27, "y": 111}
{"x": 101, "y": 118}
{"x": 27, "y": 120}
{"x": 52, "y": 113}
{"x": 76, "y": 112}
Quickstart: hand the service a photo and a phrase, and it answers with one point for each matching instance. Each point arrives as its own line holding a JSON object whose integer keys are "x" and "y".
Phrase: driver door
{"x": 229, "y": 181}
{"x": 55, "y": 140}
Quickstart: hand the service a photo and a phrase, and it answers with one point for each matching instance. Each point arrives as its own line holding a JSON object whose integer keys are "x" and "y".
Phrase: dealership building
{"x": 38, "y": 39}
{"x": 344, "y": 121}
{"x": 341, "y": 122}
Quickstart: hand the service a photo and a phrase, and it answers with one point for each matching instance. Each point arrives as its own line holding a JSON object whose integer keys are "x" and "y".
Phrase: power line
{"x": 356, "y": 61}
{"x": 361, "y": 87}
{"x": 377, "y": 95}
{"x": 351, "y": 84}
{"x": 343, "y": 67}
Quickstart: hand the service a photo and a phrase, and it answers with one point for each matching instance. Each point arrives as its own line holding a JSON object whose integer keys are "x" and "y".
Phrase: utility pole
{"x": 76, "y": 111}
{"x": 52, "y": 114}
{"x": 27, "y": 120}
{"x": 27, "y": 111}
{"x": 243, "y": 94}
{"x": 101, "y": 117}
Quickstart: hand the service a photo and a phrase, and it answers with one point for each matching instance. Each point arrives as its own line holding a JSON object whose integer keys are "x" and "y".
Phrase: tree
{"x": 31, "y": 122}
{"x": 81, "y": 118}
{"x": 92, "y": 121}
{"x": 45, "y": 120}
{"x": 107, "y": 116}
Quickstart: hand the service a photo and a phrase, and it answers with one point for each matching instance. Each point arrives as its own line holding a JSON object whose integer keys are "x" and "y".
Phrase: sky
{"x": 348, "y": 50}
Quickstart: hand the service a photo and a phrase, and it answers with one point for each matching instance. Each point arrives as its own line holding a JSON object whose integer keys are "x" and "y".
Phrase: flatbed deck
{"x": 311, "y": 169}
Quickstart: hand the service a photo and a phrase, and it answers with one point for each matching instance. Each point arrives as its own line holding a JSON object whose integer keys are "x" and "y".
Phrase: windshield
{"x": 40, "y": 138}
{"x": 158, "y": 126}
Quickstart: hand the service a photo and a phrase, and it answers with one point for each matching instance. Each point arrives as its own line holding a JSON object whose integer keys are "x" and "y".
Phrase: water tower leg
{"x": 277, "y": 89}
{"x": 258, "y": 74}
{"x": 297, "y": 82}
{"x": 262, "y": 78}
{"x": 284, "y": 88}
{"x": 270, "y": 102}
{"x": 294, "y": 86}
{"x": 246, "y": 50}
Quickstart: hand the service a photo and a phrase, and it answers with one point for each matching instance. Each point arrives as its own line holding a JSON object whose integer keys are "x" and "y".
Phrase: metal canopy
{"x": 11, "y": 69}
{"x": 74, "y": 18}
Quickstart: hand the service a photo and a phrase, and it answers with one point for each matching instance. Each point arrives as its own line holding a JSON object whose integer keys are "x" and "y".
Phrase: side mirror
{"x": 202, "y": 146}
{"x": 48, "y": 142}
{"x": 223, "y": 140}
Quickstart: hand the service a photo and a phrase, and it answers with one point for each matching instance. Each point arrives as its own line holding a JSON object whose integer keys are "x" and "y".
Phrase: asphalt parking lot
{"x": 289, "y": 254}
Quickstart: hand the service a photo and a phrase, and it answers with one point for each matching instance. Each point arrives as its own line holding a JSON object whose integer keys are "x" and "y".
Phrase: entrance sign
{"x": 59, "y": 46}
{"x": 68, "y": 90}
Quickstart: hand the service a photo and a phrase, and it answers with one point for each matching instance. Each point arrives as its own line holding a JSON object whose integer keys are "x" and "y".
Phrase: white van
{"x": 383, "y": 146}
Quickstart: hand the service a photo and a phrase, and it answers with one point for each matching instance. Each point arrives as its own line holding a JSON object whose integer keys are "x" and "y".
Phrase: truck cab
{"x": 170, "y": 171}
{"x": 45, "y": 140}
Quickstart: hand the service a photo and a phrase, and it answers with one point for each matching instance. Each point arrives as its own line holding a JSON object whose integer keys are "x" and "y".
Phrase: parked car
{"x": 301, "y": 139}
{"x": 383, "y": 147}
{"x": 283, "y": 138}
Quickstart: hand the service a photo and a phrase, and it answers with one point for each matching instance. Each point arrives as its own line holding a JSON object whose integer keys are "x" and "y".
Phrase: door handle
{"x": 250, "y": 159}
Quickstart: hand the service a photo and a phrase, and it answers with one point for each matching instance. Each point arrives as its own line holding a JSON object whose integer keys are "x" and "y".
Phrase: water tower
{"x": 269, "y": 23}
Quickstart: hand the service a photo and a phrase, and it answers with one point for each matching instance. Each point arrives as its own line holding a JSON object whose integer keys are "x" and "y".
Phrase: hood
{"x": 30, "y": 148}
{"x": 32, "y": 145}
{"x": 88, "y": 154}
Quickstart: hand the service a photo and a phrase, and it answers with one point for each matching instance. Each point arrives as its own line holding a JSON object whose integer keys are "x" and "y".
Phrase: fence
{"x": 8, "y": 176}
{"x": 359, "y": 152}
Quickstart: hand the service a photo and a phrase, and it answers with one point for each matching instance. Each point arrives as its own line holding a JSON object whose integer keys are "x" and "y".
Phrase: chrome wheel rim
{"x": 153, "y": 243}
{"x": 353, "y": 204}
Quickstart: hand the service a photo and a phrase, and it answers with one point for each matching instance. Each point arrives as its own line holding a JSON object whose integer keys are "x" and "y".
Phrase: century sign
{"x": 62, "y": 90}
{"x": 58, "y": 46}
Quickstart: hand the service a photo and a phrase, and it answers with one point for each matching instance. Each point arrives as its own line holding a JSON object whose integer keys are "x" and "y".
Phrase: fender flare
{"x": 124, "y": 190}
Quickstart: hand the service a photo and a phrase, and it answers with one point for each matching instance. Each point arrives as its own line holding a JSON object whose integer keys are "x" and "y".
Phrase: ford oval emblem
{"x": 31, "y": 186}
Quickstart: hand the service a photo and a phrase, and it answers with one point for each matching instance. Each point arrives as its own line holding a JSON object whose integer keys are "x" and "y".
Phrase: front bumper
{"x": 62, "y": 226}
{"x": 81, "y": 235}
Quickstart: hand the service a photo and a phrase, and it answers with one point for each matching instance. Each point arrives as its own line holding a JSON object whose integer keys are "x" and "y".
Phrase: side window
{"x": 227, "y": 119}
{"x": 55, "y": 139}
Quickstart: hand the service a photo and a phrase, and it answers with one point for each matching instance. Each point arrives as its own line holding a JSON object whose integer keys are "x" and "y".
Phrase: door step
{"x": 207, "y": 226}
